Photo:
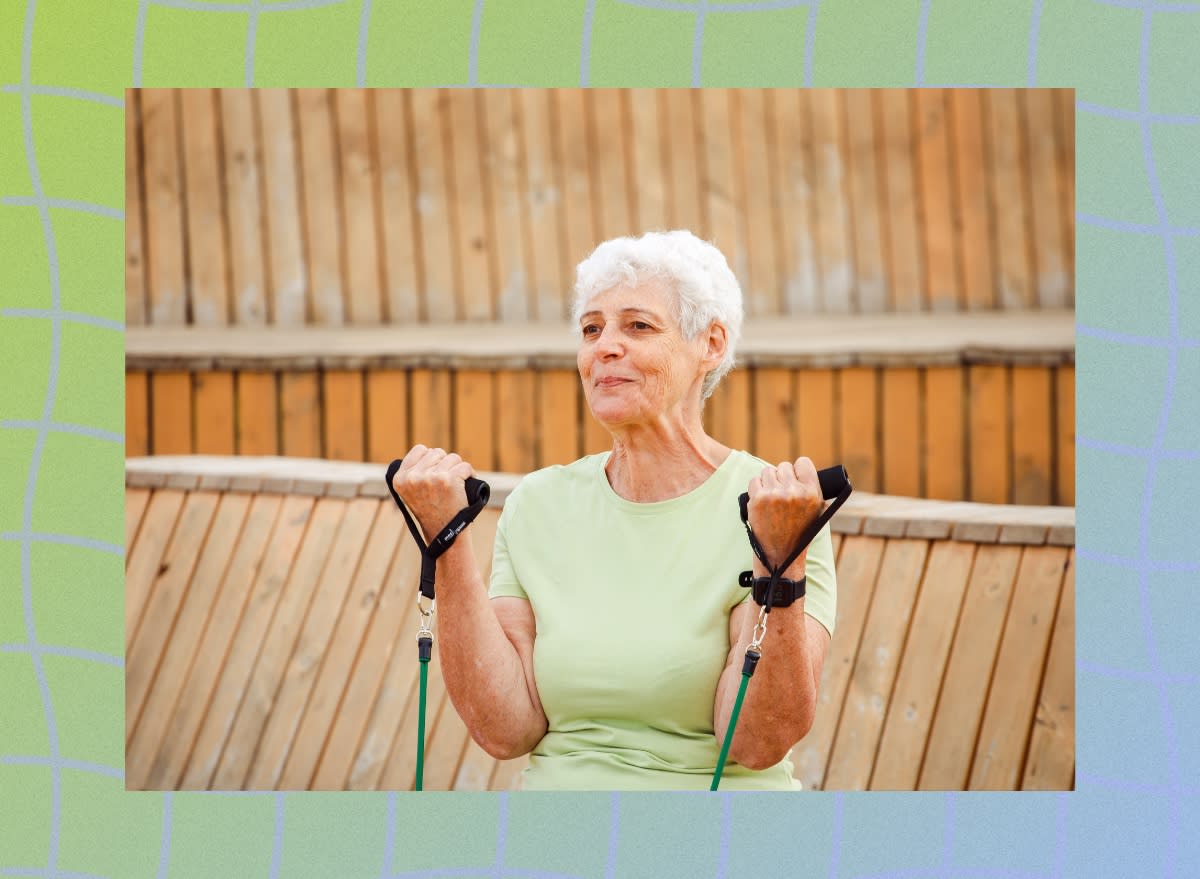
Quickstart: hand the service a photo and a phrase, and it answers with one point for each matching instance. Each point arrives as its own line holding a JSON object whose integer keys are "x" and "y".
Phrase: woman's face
{"x": 633, "y": 360}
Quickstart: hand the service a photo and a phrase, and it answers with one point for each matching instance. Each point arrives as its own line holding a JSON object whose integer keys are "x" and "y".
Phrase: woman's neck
{"x": 654, "y": 463}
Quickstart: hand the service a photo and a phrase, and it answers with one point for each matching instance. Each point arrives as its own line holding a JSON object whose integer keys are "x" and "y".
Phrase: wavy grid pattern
{"x": 62, "y": 809}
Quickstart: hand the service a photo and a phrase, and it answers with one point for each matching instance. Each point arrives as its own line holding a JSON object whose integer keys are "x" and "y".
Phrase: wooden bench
{"x": 270, "y": 619}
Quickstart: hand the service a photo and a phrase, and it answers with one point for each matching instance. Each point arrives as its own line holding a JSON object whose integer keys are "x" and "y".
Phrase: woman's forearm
{"x": 483, "y": 671}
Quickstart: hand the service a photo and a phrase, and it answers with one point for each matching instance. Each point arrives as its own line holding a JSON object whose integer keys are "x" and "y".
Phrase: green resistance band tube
{"x": 752, "y": 657}
{"x": 425, "y": 651}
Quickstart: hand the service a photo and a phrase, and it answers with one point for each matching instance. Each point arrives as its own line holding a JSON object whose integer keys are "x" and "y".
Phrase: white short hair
{"x": 704, "y": 287}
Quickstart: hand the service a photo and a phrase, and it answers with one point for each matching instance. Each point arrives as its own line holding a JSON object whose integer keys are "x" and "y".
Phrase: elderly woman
{"x": 611, "y": 639}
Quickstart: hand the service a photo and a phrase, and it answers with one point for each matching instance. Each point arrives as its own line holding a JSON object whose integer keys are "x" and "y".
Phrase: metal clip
{"x": 760, "y": 629}
{"x": 426, "y": 629}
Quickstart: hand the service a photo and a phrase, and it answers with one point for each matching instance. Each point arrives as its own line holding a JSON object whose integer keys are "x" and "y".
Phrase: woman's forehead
{"x": 650, "y": 295}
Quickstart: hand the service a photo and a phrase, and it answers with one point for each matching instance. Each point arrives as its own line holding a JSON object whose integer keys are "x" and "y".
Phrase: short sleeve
{"x": 504, "y": 581}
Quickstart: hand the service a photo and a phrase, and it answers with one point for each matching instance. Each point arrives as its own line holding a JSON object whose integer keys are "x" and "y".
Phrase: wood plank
{"x": 166, "y": 284}
{"x": 196, "y": 691}
{"x": 1051, "y": 279}
{"x": 137, "y": 414}
{"x": 1032, "y": 435}
{"x": 1050, "y": 763}
{"x": 720, "y": 187}
{"x": 144, "y": 558}
{"x": 304, "y": 668}
{"x": 610, "y": 174}
{"x": 774, "y": 415}
{"x": 475, "y": 769}
{"x": 154, "y": 718}
{"x": 264, "y": 669}
{"x": 902, "y": 425}
{"x": 434, "y": 200}
{"x": 595, "y": 437}
{"x": 549, "y": 271}
{"x": 475, "y": 417}
{"x": 514, "y": 423}
{"x": 248, "y": 295}
{"x": 1015, "y": 288}
{"x": 858, "y": 572}
{"x": 147, "y": 634}
{"x": 1064, "y": 435}
{"x": 343, "y": 416}
{"x": 923, "y": 666}
{"x": 353, "y": 113}
{"x": 399, "y": 230}
{"x": 387, "y": 414}
{"x": 503, "y": 162}
{"x": 171, "y": 413}
{"x": 285, "y": 254}
{"x": 649, "y": 184}
{"x": 858, "y": 426}
{"x": 300, "y": 414}
{"x": 943, "y": 284}
{"x": 683, "y": 145}
{"x": 257, "y": 413}
{"x": 943, "y": 462}
{"x": 319, "y": 188}
{"x": 866, "y": 202}
{"x": 136, "y": 501}
{"x": 558, "y": 416}
{"x": 474, "y": 242}
{"x": 990, "y": 433}
{"x": 791, "y": 173}
{"x": 883, "y": 643}
{"x": 202, "y": 160}
{"x": 214, "y": 412}
{"x": 816, "y": 416}
{"x": 763, "y": 284}
{"x": 730, "y": 410}
{"x": 249, "y": 624}
{"x": 835, "y": 249}
{"x": 334, "y": 681}
{"x": 901, "y": 231}
{"x": 1004, "y": 737}
{"x": 573, "y": 158}
{"x": 956, "y": 720}
{"x": 429, "y": 392}
{"x": 135, "y": 209}
{"x": 1064, "y": 143}
{"x": 971, "y": 211}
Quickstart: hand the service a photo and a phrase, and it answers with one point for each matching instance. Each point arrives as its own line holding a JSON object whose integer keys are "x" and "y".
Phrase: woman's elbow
{"x": 507, "y": 745}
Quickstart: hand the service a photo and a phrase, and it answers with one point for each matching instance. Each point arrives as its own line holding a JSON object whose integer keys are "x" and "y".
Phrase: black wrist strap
{"x": 835, "y": 485}
{"x": 478, "y": 493}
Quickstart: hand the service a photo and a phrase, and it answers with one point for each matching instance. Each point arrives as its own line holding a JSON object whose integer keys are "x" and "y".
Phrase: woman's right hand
{"x": 432, "y": 484}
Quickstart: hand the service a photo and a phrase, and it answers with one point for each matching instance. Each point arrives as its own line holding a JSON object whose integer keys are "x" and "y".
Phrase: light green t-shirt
{"x": 632, "y": 605}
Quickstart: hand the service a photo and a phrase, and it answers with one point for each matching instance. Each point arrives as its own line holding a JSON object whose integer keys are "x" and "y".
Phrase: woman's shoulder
{"x": 558, "y": 478}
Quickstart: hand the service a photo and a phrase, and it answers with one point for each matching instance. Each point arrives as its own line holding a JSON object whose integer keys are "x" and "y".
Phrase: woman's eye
{"x": 591, "y": 330}
{"x": 641, "y": 325}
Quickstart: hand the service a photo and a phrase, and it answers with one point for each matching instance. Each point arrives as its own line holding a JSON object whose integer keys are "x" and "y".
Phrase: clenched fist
{"x": 784, "y": 500}
{"x": 432, "y": 484}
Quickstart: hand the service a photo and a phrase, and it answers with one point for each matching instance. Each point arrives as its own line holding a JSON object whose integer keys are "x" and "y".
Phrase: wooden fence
{"x": 331, "y": 207}
{"x": 270, "y": 618}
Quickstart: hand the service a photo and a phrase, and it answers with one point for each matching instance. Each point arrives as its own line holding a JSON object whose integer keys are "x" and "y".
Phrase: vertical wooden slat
{"x": 1052, "y": 283}
{"x": 1032, "y": 435}
{"x": 257, "y": 413}
{"x": 503, "y": 161}
{"x": 558, "y": 416}
{"x": 1050, "y": 764}
{"x": 1014, "y": 280}
{"x": 476, "y": 416}
{"x": 720, "y": 185}
{"x": 1064, "y": 435}
{"x": 729, "y": 410}
{"x": 1004, "y": 738}
{"x": 137, "y": 415}
{"x": 322, "y": 224}
{"x": 858, "y": 426}
{"x": 573, "y": 154}
{"x": 473, "y": 241}
{"x": 353, "y": 115}
{"x": 166, "y": 290}
{"x": 300, "y": 414}
{"x": 956, "y": 720}
{"x": 971, "y": 212}
{"x": 990, "y": 434}
{"x": 214, "y": 413}
{"x": 429, "y": 391}
{"x": 543, "y": 208}
{"x": 1064, "y": 119}
{"x": 866, "y": 202}
{"x": 774, "y": 415}
{"x": 595, "y": 438}
{"x": 286, "y": 259}
{"x": 611, "y": 180}
{"x": 937, "y": 223}
{"x": 243, "y": 205}
{"x": 816, "y": 417}
{"x": 943, "y": 451}
{"x": 683, "y": 162}
{"x": 902, "y": 431}
{"x": 135, "y": 207}
{"x": 399, "y": 229}
{"x": 516, "y": 427}
{"x": 387, "y": 414}
{"x": 171, "y": 413}
{"x": 835, "y": 253}
{"x": 753, "y": 164}
{"x": 434, "y": 203}
{"x": 649, "y": 185}
{"x": 206, "y": 216}
{"x": 792, "y": 191}
{"x": 901, "y": 230}
{"x": 342, "y": 415}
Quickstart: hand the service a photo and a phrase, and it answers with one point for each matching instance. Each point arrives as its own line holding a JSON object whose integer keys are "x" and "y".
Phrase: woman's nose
{"x": 609, "y": 343}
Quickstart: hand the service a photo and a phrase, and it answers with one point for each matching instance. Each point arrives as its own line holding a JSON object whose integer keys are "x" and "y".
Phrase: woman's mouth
{"x": 609, "y": 382}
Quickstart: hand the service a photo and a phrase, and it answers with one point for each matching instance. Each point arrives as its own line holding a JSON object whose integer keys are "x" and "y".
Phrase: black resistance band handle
{"x": 478, "y": 491}
{"x": 833, "y": 481}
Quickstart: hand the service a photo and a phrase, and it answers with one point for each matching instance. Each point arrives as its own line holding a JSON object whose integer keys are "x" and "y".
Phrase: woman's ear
{"x": 717, "y": 343}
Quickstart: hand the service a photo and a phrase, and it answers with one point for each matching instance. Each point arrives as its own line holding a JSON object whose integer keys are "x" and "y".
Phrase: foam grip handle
{"x": 478, "y": 491}
{"x": 834, "y": 481}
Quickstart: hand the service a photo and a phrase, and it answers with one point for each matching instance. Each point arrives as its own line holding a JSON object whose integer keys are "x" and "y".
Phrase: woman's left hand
{"x": 784, "y": 500}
